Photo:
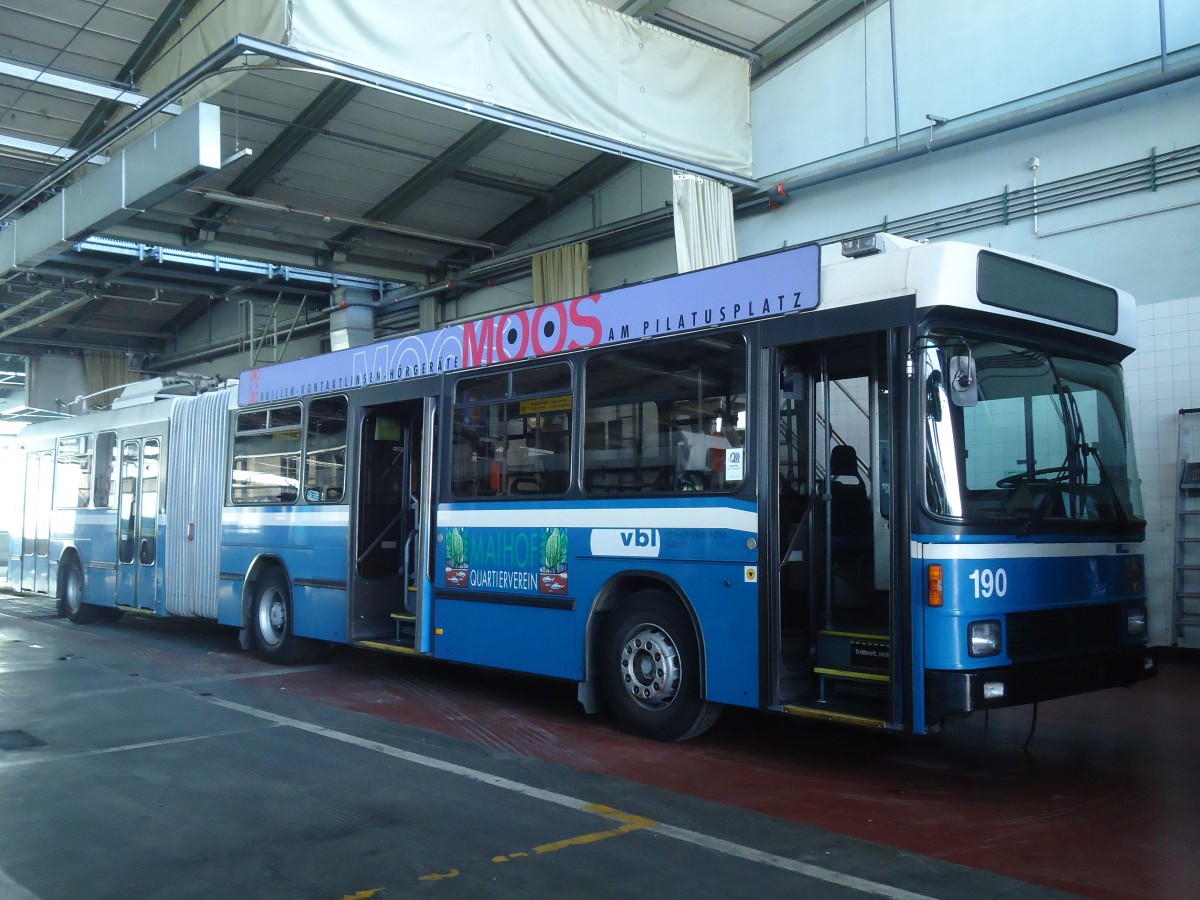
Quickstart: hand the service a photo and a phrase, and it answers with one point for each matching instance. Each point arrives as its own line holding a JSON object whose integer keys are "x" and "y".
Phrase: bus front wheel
{"x": 271, "y": 617}
{"x": 651, "y": 669}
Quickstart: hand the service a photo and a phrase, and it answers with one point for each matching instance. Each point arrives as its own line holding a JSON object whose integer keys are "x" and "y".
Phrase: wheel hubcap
{"x": 272, "y": 618}
{"x": 73, "y": 593}
{"x": 650, "y": 667}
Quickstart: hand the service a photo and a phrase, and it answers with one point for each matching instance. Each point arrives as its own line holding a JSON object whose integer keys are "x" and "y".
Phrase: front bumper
{"x": 957, "y": 693}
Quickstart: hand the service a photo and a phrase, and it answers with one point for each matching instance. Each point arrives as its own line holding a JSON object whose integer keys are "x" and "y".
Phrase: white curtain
{"x": 106, "y": 369}
{"x": 703, "y": 222}
{"x": 560, "y": 274}
{"x": 598, "y": 75}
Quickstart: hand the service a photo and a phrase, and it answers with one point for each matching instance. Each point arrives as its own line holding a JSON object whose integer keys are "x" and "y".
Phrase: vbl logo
{"x": 625, "y": 542}
{"x": 640, "y": 538}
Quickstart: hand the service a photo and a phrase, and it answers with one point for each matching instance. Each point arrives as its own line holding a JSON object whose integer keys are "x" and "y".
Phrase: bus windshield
{"x": 1016, "y": 435}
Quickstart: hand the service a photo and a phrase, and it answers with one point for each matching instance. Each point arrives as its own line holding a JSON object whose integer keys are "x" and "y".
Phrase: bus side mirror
{"x": 964, "y": 386}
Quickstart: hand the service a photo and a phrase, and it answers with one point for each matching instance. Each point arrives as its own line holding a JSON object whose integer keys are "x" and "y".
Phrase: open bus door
{"x": 389, "y": 540}
{"x": 835, "y": 610}
{"x": 137, "y": 527}
{"x": 35, "y": 526}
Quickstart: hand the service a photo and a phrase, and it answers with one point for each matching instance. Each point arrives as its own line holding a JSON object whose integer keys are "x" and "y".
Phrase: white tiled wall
{"x": 1162, "y": 377}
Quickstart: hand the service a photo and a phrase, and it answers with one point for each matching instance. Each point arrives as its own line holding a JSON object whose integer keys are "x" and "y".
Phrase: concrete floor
{"x": 153, "y": 758}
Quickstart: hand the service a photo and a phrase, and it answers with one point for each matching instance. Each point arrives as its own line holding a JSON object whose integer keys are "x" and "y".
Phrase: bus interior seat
{"x": 850, "y": 529}
{"x": 524, "y": 484}
{"x": 850, "y": 507}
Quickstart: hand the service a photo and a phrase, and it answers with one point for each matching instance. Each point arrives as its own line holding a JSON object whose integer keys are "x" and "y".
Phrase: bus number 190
{"x": 988, "y": 583}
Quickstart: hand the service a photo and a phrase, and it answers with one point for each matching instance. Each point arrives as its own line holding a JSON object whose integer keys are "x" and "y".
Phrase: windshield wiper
{"x": 1118, "y": 507}
{"x": 1075, "y": 463}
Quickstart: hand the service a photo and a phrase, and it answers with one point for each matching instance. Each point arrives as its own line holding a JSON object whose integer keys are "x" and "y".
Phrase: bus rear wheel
{"x": 73, "y": 605}
{"x": 271, "y": 619}
{"x": 650, "y": 668}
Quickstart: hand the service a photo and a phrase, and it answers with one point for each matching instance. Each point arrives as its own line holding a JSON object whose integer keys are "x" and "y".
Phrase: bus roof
{"x": 1003, "y": 283}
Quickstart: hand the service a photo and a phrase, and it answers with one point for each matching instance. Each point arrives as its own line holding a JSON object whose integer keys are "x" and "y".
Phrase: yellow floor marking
{"x": 631, "y": 823}
{"x": 440, "y": 876}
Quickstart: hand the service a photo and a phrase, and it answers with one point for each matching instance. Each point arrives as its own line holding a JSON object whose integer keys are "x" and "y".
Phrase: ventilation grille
{"x": 1073, "y": 631}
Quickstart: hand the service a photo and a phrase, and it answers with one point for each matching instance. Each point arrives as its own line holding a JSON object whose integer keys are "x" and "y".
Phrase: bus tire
{"x": 650, "y": 668}
{"x": 271, "y": 619}
{"x": 74, "y": 607}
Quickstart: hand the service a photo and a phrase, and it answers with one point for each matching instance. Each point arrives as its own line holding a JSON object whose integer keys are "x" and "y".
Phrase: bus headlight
{"x": 1135, "y": 621}
{"x": 984, "y": 638}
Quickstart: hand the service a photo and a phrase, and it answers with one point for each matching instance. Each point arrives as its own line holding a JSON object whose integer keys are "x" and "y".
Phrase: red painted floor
{"x": 1103, "y": 803}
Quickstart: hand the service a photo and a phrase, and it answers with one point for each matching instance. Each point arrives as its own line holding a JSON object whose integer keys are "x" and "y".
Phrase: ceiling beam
{"x": 45, "y": 317}
{"x": 294, "y": 137}
{"x": 26, "y": 303}
{"x": 71, "y": 83}
{"x": 37, "y": 152}
{"x": 34, "y": 346}
{"x": 644, "y": 9}
{"x": 517, "y": 186}
{"x": 803, "y": 28}
{"x": 139, "y": 61}
{"x": 231, "y": 201}
{"x": 579, "y": 183}
{"x": 444, "y": 166}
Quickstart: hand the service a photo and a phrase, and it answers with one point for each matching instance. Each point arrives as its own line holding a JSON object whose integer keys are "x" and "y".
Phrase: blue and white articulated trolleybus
{"x": 887, "y": 488}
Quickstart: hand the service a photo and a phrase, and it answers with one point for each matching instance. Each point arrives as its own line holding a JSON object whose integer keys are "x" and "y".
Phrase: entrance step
{"x": 853, "y": 666}
{"x": 388, "y": 646}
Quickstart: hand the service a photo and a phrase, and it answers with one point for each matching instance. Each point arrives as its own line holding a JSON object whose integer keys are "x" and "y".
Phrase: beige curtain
{"x": 560, "y": 274}
{"x": 105, "y": 369}
{"x": 703, "y": 222}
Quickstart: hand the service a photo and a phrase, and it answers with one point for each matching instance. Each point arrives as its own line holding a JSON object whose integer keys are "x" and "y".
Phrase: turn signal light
{"x": 935, "y": 585}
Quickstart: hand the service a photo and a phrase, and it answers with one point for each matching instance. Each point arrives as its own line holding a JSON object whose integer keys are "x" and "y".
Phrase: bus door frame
{"x": 887, "y": 455}
{"x": 35, "y": 528}
{"x": 426, "y": 503}
{"x": 372, "y": 597}
{"x": 137, "y": 546}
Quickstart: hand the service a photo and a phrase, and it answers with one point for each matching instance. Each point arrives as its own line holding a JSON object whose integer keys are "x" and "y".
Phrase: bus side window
{"x": 671, "y": 417}
{"x": 325, "y": 451}
{"x": 73, "y": 472}
{"x": 266, "y": 456}
{"x": 512, "y": 433}
{"x": 477, "y": 438}
{"x": 106, "y": 470}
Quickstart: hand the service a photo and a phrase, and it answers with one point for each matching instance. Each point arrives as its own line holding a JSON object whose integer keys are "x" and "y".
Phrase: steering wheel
{"x": 1011, "y": 481}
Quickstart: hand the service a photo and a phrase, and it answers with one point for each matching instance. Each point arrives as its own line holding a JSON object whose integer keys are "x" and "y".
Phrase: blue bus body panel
{"x": 92, "y": 533}
{"x": 520, "y": 638}
{"x": 515, "y": 585}
{"x": 994, "y": 580}
{"x": 310, "y": 542}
